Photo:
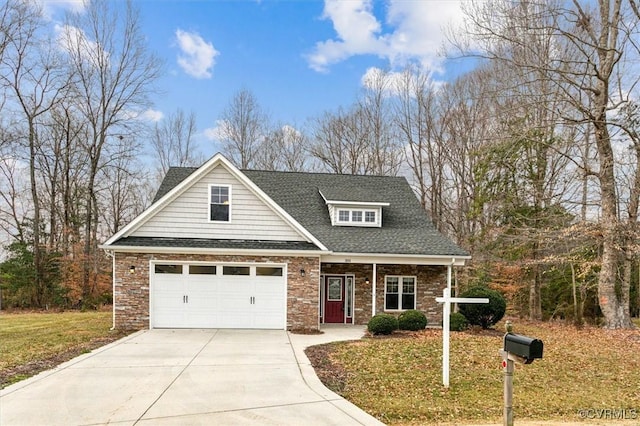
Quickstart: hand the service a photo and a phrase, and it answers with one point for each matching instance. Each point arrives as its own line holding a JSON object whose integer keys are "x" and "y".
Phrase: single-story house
{"x": 226, "y": 248}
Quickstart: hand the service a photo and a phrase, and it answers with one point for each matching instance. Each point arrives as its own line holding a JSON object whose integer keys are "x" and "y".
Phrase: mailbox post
{"x": 520, "y": 349}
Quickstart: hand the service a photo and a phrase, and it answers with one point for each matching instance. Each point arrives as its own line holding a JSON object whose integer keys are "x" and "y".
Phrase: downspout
{"x": 113, "y": 288}
{"x": 374, "y": 280}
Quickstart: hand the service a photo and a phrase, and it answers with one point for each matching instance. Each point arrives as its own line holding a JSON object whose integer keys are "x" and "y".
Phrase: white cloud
{"x": 415, "y": 32}
{"x": 49, "y": 7}
{"x": 152, "y": 115}
{"x": 395, "y": 82}
{"x": 216, "y": 133}
{"x": 74, "y": 41}
{"x": 197, "y": 56}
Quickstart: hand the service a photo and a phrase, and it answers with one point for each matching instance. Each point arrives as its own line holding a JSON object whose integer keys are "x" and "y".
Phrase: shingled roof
{"x": 406, "y": 229}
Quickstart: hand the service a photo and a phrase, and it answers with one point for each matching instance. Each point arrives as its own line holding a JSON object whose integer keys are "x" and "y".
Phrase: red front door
{"x": 334, "y": 300}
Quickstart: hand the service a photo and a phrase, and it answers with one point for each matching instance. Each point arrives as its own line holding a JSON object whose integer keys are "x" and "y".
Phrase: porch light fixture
{"x": 366, "y": 281}
{"x": 132, "y": 269}
{"x": 302, "y": 273}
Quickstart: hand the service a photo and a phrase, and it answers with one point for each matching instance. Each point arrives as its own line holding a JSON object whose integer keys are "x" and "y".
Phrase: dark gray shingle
{"x": 406, "y": 229}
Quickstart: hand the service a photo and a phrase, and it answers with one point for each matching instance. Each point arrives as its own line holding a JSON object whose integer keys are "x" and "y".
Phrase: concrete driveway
{"x": 187, "y": 377}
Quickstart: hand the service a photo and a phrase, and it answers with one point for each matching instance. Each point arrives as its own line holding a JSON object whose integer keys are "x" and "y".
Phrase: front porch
{"x": 351, "y": 293}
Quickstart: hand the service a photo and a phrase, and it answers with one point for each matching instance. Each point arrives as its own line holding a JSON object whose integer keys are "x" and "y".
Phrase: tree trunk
{"x": 613, "y": 299}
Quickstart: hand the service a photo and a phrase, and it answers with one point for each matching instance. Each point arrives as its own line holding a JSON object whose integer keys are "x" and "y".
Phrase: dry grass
{"x": 32, "y": 342}
{"x": 399, "y": 380}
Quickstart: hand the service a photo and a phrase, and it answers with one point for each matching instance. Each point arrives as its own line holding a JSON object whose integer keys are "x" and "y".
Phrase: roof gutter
{"x": 402, "y": 259}
{"x": 204, "y": 250}
{"x": 325, "y": 256}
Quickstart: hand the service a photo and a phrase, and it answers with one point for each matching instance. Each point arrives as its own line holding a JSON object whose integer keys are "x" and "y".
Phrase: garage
{"x": 187, "y": 295}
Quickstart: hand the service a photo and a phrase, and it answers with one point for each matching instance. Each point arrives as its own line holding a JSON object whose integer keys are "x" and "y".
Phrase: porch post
{"x": 374, "y": 280}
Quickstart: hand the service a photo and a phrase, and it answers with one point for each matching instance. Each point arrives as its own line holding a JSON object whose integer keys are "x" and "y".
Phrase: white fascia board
{"x": 353, "y": 203}
{"x": 204, "y": 169}
{"x": 219, "y": 251}
{"x": 358, "y": 203}
{"x": 401, "y": 259}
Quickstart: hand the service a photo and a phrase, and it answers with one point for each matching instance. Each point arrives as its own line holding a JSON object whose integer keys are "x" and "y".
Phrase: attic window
{"x": 219, "y": 203}
{"x": 357, "y": 217}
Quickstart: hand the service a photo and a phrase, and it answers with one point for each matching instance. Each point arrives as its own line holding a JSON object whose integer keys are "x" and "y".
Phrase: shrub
{"x": 458, "y": 322}
{"x": 483, "y": 314}
{"x": 412, "y": 320}
{"x": 382, "y": 324}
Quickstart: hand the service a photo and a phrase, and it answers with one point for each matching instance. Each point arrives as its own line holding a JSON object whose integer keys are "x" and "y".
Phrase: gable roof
{"x": 174, "y": 187}
{"x": 406, "y": 229}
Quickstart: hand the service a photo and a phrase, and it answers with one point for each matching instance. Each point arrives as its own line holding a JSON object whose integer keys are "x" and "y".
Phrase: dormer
{"x": 352, "y": 210}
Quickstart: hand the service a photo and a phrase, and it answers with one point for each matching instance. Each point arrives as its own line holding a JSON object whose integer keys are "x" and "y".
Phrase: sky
{"x": 299, "y": 58}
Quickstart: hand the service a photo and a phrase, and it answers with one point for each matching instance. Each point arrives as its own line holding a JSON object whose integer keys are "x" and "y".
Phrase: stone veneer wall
{"x": 131, "y": 295}
{"x": 431, "y": 280}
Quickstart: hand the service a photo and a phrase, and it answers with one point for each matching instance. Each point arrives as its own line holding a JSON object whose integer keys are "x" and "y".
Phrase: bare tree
{"x": 284, "y": 148}
{"x": 114, "y": 75}
{"x": 341, "y": 142}
{"x": 384, "y": 149}
{"x": 36, "y": 81}
{"x": 416, "y": 118}
{"x": 173, "y": 144}
{"x": 243, "y": 126}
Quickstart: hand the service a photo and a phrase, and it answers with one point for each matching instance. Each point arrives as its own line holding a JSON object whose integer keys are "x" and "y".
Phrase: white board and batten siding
{"x": 187, "y": 216}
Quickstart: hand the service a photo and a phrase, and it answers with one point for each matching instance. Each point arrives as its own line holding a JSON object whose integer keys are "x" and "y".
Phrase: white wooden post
{"x": 374, "y": 279}
{"x": 446, "y": 311}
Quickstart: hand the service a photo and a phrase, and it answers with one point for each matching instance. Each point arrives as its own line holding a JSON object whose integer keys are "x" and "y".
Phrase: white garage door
{"x": 218, "y": 296}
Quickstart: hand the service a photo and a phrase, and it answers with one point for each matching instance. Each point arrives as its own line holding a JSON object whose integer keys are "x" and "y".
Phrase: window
{"x": 219, "y": 203}
{"x": 334, "y": 290}
{"x": 399, "y": 293}
{"x": 235, "y": 270}
{"x": 202, "y": 270}
{"x": 266, "y": 271}
{"x": 168, "y": 269}
{"x": 357, "y": 217}
{"x": 370, "y": 216}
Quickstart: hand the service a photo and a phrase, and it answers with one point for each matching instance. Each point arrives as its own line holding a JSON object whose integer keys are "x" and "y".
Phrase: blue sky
{"x": 299, "y": 58}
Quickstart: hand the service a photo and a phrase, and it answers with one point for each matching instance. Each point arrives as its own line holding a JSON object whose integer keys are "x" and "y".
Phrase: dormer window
{"x": 219, "y": 203}
{"x": 357, "y": 217}
{"x": 361, "y": 211}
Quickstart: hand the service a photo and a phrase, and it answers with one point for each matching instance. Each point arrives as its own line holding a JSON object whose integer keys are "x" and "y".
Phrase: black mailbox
{"x": 523, "y": 346}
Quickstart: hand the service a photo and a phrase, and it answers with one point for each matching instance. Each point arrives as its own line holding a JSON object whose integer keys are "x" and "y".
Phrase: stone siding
{"x": 131, "y": 295}
{"x": 431, "y": 280}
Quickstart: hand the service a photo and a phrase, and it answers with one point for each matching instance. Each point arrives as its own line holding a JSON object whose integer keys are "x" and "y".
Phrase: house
{"x": 227, "y": 248}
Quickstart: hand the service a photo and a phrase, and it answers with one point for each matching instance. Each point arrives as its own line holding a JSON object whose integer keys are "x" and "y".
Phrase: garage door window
{"x": 263, "y": 271}
{"x": 235, "y": 270}
{"x": 168, "y": 269}
{"x": 202, "y": 270}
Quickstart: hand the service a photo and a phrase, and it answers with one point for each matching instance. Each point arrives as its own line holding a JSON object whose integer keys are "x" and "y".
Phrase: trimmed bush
{"x": 483, "y": 314}
{"x": 458, "y": 322}
{"x": 382, "y": 324}
{"x": 412, "y": 320}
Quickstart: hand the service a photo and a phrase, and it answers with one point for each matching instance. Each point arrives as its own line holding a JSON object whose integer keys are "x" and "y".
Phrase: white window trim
{"x": 210, "y": 203}
{"x": 400, "y": 278}
{"x": 363, "y": 223}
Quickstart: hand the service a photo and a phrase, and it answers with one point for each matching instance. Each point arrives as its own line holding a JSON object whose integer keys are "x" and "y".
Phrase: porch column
{"x": 373, "y": 290}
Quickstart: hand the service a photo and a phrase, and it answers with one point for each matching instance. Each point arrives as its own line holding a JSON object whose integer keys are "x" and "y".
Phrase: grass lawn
{"x": 33, "y": 342}
{"x": 399, "y": 379}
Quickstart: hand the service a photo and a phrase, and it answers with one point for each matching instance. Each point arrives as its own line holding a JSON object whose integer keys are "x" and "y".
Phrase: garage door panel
{"x": 210, "y": 296}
